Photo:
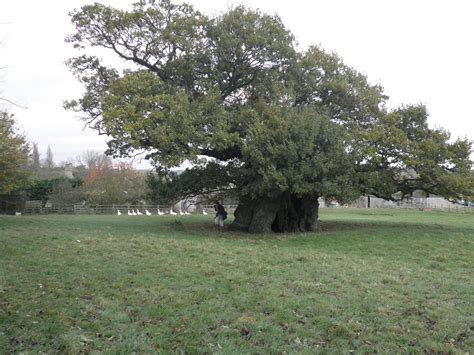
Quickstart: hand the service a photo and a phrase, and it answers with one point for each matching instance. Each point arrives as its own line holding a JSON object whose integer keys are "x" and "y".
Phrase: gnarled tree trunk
{"x": 286, "y": 213}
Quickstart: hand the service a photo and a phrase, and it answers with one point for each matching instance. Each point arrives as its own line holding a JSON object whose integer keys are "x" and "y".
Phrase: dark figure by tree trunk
{"x": 221, "y": 215}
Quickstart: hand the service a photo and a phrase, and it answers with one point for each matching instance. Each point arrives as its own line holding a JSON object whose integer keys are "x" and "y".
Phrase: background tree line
{"x": 92, "y": 178}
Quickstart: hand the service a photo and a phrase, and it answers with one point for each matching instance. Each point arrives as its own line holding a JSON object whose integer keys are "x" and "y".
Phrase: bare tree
{"x": 91, "y": 159}
{"x": 4, "y": 101}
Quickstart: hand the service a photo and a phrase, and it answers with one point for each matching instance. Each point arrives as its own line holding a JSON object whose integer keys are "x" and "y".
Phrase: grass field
{"x": 372, "y": 280}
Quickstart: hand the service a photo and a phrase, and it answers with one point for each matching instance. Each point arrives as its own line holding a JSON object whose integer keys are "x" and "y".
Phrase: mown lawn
{"x": 371, "y": 280}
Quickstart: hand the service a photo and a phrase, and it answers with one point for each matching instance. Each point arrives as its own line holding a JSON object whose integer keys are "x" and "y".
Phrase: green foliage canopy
{"x": 44, "y": 189}
{"x": 266, "y": 118}
{"x": 14, "y": 156}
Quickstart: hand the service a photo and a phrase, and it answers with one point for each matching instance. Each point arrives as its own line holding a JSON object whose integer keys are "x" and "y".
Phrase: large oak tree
{"x": 276, "y": 127}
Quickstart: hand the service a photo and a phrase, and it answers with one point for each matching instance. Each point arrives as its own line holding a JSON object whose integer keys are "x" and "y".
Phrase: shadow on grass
{"x": 338, "y": 234}
{"x": 344, "y": 225}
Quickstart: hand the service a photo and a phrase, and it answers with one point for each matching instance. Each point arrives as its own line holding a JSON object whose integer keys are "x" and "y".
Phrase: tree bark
{"x": 286, "y": 213}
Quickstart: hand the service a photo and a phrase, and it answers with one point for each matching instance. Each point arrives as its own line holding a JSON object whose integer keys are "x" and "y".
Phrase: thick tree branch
{"x": 226, "y": 154}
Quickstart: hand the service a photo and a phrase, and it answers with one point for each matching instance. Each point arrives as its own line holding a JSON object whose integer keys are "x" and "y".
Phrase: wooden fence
{"x": 33, "y": 207}
{"x": 36, "y": 207}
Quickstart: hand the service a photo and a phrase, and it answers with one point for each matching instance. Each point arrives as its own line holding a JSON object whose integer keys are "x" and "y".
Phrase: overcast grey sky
{"x": 418, "y": 50}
